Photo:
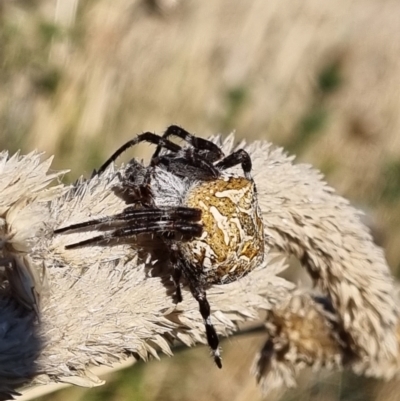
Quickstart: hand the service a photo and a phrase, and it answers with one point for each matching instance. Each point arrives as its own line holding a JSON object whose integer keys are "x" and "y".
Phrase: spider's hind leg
{"x": 174, "y": 221}
{"x": 176, "y": 273}
{"x": 199, "y": 293}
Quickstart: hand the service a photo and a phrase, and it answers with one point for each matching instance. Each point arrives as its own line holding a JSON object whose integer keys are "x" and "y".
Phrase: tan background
{"x": 321, "y": 78}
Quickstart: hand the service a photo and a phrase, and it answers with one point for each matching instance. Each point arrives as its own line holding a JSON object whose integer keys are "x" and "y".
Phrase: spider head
{"x": 232, "y": 242}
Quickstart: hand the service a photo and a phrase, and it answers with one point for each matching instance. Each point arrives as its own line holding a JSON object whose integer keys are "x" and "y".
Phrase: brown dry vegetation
{"x": 320, "y": 78}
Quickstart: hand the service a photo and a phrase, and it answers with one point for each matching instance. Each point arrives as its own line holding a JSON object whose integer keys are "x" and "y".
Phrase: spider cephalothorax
{"x": 208, "y": 218}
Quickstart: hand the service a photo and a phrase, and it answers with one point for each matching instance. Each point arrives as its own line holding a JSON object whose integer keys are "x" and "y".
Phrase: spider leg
{"x": 235, "y": 158}
{"x": 145, "y": 137}
{"x": 134, "y": 185}
{"x": 200, "y": 162}
{"x": 199, "y": 293}
{"x": 176, "y": 273}
{"x": 134, "y": 194}
{"x": 139, "y": 216}
{"x": 159, "y": 227}
{"x": 212, "y": 152}
{"x": 188, "y": 161}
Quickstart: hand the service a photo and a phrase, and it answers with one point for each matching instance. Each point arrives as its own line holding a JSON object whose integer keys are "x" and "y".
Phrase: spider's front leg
{"x": 207, "y": 149}
{"x": 145, "y": 137}
{"x": 235, "y": 158}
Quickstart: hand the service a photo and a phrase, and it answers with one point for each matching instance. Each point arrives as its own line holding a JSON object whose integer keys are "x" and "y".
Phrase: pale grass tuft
{"x": 301, "y": 334}
{"x": 106, "y": 303}
{"x": 23, "y": 187}
{"x": 305, "y": 218}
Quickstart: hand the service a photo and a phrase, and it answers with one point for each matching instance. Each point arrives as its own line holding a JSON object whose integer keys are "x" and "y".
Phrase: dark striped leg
{"x": 209, "y": 150}
{"x": 145, "y": 137}
{"x": 199, "y": 293}
{"x": 176, "y": 272}
{"x": 168, "y": 228}
{"x": 235, "y": 158}
{"x": 132, "y": 216}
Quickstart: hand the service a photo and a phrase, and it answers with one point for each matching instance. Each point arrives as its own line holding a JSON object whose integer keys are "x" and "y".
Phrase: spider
{"x": 208, "y": 218}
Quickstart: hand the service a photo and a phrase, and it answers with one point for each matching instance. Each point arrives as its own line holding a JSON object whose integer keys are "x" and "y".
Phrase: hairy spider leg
{"x": 158, "y": 227}
{"x": 235, "y": 158}
{"x": 189, "y": 156}
{"x": 199, "y": 293}
{"x": 133, "y": 193}
{"x": 200, "y": 162}
{"x": 131, "y": 213}
{"x": 214, "y": 152}
{"x": 176, "y": 272}
{"x": 193, "y": 158}
{"x": 145, "y": 137}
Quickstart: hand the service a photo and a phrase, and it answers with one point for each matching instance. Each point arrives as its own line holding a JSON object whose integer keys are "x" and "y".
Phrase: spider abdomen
{"x": 232, "y": 243}
{"x": 209, "y": 219}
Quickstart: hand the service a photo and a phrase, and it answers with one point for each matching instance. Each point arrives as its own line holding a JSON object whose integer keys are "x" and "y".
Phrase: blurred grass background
{"x": 322, "y": 79}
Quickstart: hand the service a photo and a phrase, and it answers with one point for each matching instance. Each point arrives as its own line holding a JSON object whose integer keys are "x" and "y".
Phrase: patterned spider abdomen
{"x": 232, "y": 243}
